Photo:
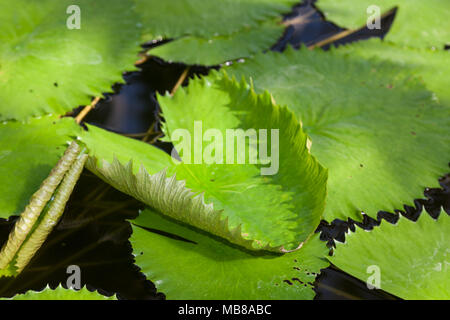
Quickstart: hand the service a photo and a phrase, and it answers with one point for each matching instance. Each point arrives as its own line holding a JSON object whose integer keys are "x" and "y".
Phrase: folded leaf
{"x": 275, "y": 212}
{"x": 22, "y": 241}
{"x": 50, "y": 217}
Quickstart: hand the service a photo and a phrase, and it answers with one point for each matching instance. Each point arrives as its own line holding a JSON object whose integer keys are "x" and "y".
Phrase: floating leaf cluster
{"x": 361, "y": 128}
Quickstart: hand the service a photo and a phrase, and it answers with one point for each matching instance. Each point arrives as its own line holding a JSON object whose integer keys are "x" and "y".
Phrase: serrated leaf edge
{"x": 165, "y": 191}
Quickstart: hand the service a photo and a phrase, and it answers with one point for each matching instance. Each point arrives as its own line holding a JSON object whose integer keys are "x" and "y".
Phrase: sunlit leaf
{"x": 372, "y": 124}
{"x": 234, "y": 201}
{"x": 430, "y": 65}
{"x": 412, "y": 259}
{"x": 418, "y": 23}
{"x": 45, "y": 67}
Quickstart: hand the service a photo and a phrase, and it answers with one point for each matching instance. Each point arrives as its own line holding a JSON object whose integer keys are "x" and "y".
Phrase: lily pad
{"x": 61, "y": 293}
{"x": 219, "y": 49}
{"x": 418, "y": 23}
{"x": 205, "y": 19}
{"x": 430, "y": 65}
{"x": 235, "y": 201}
{"x": 195, "y": 265}
{"x": 373, "y": 124}
{"x": 28, "y": 152}
{"x": 412, "y": 259}
{"x": 47, "y": 67}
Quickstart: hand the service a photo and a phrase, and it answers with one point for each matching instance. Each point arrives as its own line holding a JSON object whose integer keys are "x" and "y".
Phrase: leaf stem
{"x": 141, "y": 60}
{"x": 86, "y": 110}
{"x": 180, "y": 81}
{"x": 346, "y": 33}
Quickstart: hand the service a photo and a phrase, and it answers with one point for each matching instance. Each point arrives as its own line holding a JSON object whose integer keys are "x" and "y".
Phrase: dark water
{"x": 93, "y": 232}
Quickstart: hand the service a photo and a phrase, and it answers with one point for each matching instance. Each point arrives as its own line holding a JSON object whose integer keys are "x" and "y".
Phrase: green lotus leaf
{"x": 205, "y": 19}
{"x": 418, "y": 23}
{"x": 205, "y": 267}
{"x": 287, "y": 203}
{"x": 48, "y": 68}
{"x": 372, "y": 124}
{"x": 28, "y": 152}
{"x": 234, "y": 201}
{"x": 61, "y": 293}
{"x": 219, "y": 49}
{"x": 430, "y": 65}
{"x": 105, "y": 147}
{"x": 412, "y": 259}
